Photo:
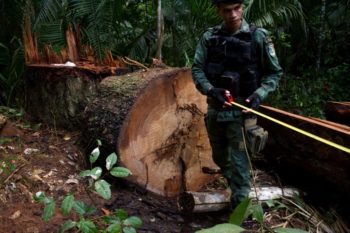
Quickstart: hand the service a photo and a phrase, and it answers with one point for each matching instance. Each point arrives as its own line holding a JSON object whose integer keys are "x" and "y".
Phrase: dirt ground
{"x": 34, "y": 158}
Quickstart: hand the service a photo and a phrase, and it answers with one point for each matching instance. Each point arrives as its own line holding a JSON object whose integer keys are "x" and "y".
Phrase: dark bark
{"x": 338, "y": 112}
{"x": 306, "y": 160}
{"x": 57, "y": 95}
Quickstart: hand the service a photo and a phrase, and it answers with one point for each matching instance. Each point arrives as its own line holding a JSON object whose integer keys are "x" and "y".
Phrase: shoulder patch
{"x": 271, "y": 48}
{"x": 263, "y": 31}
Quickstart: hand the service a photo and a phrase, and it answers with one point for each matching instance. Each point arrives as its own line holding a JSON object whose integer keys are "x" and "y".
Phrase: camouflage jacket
{"x": 270, "y": 71}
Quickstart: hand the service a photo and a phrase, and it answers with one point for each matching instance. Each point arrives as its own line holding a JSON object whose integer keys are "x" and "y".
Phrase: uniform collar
{"x": 244, "y": 27}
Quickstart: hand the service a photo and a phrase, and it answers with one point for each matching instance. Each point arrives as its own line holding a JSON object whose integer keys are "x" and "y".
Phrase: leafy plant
{"x": 222, "y": 228}
{"x": 7, "y": 165}
{"x": 308, "y": 94}
{"x": 116, "y": 221}
{"x": 247, "y": 209}
{"x": 101, "y": 186}
{"x": 11, "y": 113}
{"x": 11, "y": 70}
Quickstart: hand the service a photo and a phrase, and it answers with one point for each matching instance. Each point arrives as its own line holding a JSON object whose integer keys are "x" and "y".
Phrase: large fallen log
{"x": 316, "y": 164}
{"x": 338, "y": 112}
{"x": 154, "y": 120}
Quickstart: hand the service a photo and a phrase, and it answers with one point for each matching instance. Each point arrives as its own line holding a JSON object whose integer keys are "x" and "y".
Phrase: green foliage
{"x": 67, "y": 204}
{"x": 240, "y": 213}
{"x": 101, "y": 186}
{"x": 67, "y": 226}
{"x": 116, "y": 222}
{"x": 49, "y": 203}
{"x": 272, "y": 13}
{"x": 244, "y": 210}
{"x": 223, "y": 228}
{"x": 257, "y": 213}
{"x": 11, "y": 113}
{"x": 308, "y": 94}
{"x": 11, "y": 70}
{"x": 289, "y": 230}
{"x": 129, "y": 28}
{"x": 7, "y": 165}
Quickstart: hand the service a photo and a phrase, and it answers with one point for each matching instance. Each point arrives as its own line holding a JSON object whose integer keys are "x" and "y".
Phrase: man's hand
{"x": 254, "y": 101}
{"x": 219, "y": 95}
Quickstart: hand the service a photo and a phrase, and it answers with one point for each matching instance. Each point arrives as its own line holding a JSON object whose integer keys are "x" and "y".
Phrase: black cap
{"x": 216, "y": 2}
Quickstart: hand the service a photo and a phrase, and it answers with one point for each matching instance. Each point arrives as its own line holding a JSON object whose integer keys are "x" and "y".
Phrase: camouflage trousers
{"x": 228, "y": 152}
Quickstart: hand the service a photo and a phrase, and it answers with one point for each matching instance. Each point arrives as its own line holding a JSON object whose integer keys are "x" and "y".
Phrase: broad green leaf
{"x": 67, "y": 225}
{"x": 121, "y": 214}
{"x": 39, "y": 196}
{"x": 240, "y": 213}
{"x": 129, "y": 230}
{"x": 94, "y": 155}
{"x": 103, "y": 189}
{"x": 67, "y": 204}
{"x": 110, "y": 161}
{"x": 47, "y": 200}
{"x": 114, "y": 228}
{"x": 280, "y": 205}
{"x": 90, "y": 210}
{"x": 80, "y": 207}
{"x": 289, "y": 230}
{"x": 87, "y": 226}
{"x": 96, "y": 172}
{"x": 258, "y": 213}
{"x": 99, "y": 143}
{"x": 222, "y": 228}
{"x": 133, "y": 221}
{"x": 49, "y": 211}
{"x": 110, "y": 219}
{"x": 85, "y": 173}
{"x": 120, "y": 172}
{"x": 270, "y": 203}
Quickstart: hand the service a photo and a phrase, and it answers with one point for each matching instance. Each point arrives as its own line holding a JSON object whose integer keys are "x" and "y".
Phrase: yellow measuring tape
{"x": 340, "y": 147}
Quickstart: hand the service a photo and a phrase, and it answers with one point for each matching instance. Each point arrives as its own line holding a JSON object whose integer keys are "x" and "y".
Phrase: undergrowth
{"x": 307, "y": 94}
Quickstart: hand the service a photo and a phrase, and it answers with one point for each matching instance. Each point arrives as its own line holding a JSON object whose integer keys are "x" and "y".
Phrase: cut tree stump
{"x": 57, "y": 95}
{"x": 154, "y": 120}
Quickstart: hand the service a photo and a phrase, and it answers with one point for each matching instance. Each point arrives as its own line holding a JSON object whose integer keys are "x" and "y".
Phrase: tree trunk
{"x": 321, "y": 34}
{"x": 57, "y": 95}
{"x": 154, "y": 120}
{"x": 160, "y": 31}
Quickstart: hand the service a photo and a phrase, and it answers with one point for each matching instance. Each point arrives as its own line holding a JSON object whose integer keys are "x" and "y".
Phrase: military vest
{"x": 233, "y": 55}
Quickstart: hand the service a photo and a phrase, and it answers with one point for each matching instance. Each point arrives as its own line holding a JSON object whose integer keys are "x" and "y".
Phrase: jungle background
{"x": 311, "y": 40}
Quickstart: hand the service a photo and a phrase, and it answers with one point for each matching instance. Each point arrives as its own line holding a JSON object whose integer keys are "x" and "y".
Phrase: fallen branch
{"x": 312, "y": 217}
{"x": 131, "y": 62}
{"x": 14, "y": 172}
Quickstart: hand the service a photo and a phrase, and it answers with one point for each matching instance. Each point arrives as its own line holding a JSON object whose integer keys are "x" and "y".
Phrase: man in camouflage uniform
{"x": 240, "y": 58}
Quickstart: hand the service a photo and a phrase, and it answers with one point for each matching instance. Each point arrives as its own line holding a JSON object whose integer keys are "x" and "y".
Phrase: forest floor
{"x": 34, "y": 159}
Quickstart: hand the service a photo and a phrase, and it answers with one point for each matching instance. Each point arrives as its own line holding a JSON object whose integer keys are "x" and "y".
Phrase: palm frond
{"x": 271, "y": 13}
{"x": 4, "y": 55}
{"x": 50, "y": 10}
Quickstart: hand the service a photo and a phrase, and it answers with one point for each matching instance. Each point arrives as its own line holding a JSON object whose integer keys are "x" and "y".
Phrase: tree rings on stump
{"x": 154, "y": 120}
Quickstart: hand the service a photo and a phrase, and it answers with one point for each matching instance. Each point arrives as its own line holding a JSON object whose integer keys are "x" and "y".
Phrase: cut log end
{"x": 155, "y": 120}
{"x": 163, "y": 139}
{"x": 200, "y": 202}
